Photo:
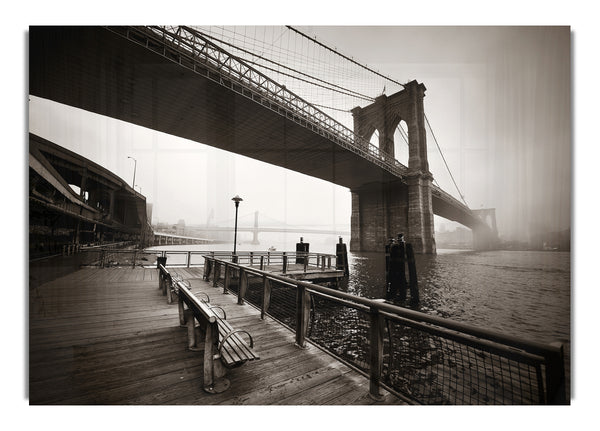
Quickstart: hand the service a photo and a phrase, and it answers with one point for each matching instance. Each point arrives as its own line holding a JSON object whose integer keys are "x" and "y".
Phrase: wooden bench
{"x": 224, "y": 347}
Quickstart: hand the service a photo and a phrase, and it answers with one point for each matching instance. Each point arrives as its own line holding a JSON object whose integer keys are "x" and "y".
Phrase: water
{"x": 520, "y": 293}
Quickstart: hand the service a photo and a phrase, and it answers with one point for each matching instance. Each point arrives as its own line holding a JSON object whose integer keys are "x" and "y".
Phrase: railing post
{"x": 262, "y": 263}
{"x": 266, "y": 297}
{"x": 226, "y": 278}
{"x": 285, "y": 261}
{"x": 134, "y": 257}
{"x": 243, "y": 286}
{"x": 328, "y": 262}
{"x": 555, "y": 376}
{"x": 102, "y": 257}
{"x": 216, "y": 273}
{"x": 251, "y": 258}
{"x": 377, "y": 328}
{"x": 302, "y": 315}
{"x": 189, "y": 258}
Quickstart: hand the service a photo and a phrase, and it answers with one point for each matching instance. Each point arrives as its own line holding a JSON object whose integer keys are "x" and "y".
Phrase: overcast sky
{"x": 498, "y": 100}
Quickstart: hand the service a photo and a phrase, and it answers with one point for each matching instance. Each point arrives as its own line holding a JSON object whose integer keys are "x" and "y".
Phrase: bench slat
{"x": 236, "y": 340}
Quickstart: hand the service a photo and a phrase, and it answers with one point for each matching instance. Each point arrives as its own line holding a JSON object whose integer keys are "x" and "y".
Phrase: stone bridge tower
{"x": 384, "y": 209}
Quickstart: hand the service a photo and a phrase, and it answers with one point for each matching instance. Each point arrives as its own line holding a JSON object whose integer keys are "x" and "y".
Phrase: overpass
{"x": 174, "y": 80}
{"x": 101, "y": 208}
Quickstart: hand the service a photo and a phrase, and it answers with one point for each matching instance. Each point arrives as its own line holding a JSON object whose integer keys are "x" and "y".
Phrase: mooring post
{"x": 412, "y": 274}
{"x": 341, "y": 254}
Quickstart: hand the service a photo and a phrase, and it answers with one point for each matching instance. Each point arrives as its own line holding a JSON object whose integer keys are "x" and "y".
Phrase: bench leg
{"x": 193, "y": 332}
{"x": 214, "y": 382}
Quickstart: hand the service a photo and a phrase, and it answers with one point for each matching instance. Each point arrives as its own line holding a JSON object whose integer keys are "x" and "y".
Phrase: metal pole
{"x": 134, "y": 169}
{"x": 237, "y": 204}
{"x": 237, "y": 201}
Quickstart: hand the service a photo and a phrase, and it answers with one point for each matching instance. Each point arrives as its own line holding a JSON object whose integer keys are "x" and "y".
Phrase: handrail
{"x": 525, "y": 351}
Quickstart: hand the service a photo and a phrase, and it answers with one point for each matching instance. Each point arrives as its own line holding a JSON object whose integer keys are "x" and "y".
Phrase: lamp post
{"x": 134, "y": 169}
{"x": 237, "y": 201}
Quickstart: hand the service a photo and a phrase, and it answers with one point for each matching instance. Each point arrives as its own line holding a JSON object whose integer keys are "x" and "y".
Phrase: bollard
{"x": 302, "y": 249}
{"x": 412, "y": 274}
{"x": 341, "y": 254}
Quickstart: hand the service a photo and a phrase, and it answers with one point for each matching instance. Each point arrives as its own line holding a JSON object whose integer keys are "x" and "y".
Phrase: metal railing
{"x": 189, "y": 48}
{"x": 105, "y": 257}
{"x": 281, "y": 261}
{"x": 421, "y": 358}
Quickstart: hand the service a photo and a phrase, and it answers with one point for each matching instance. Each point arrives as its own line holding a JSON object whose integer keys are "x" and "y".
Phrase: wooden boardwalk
{"x": 108, "y": 337}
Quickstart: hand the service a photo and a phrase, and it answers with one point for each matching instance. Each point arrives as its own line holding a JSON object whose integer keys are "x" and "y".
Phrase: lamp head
{"x": 237, "y": 200}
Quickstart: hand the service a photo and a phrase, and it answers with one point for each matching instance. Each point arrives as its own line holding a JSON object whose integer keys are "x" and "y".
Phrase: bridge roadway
{"x": 156, "y": 86}
{"x": 108, "y": 336}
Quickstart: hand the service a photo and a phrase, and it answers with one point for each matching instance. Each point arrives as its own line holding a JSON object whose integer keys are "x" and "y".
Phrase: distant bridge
{"x": 178, "y": 81}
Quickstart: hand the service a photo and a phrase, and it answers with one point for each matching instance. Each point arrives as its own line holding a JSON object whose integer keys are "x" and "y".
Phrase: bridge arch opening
{"x": 374, "y": 139}
{"x": 451, "y": 235}
{"x": 401, "y": 142}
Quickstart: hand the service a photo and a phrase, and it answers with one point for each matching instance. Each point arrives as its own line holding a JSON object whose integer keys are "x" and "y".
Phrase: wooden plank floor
{"x": 108, "y": 336}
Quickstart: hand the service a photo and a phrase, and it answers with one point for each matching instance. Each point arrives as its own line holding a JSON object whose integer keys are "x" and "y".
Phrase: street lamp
{"x": 134, "y": 168}
{"x": 237, "y": 201}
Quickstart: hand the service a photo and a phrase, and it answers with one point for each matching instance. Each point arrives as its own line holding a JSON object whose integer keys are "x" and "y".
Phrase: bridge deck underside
{"x": 93, "y": 69}
{"x": 98, "y": 71}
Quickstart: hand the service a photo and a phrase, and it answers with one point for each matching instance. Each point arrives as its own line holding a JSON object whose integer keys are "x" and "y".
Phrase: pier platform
{"x": 107, "y": 336}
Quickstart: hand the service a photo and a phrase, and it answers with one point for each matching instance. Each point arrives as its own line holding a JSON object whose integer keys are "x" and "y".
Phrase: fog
{"x": 498, "y": 100}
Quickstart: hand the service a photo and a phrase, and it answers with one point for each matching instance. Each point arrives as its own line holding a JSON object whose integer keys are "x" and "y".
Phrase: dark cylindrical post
{"x": 302, "y": 249}
{"x": 342, "y": 257}
{"x": 397, "y": 270}
{"x": 161, "y": 260}
{"x": 262, "y": 263}
{"x": 412, "y": 274}
{"x": 388, "y": 292}
{"x": 285, "y": 262}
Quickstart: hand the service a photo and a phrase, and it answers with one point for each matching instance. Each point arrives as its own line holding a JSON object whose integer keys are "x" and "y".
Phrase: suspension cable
{"x": 344, "y": 57}
{"x": 444, "y": 159}
{"x": 345, "y": 91}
